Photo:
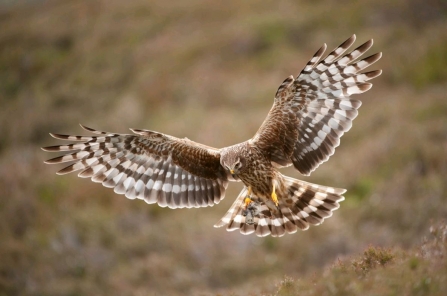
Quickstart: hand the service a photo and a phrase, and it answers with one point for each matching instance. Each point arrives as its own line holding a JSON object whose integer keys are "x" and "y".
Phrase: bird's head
{"x": 232, "y": 162}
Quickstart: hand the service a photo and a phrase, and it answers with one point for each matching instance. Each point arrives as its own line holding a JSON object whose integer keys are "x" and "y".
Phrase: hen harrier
{"x": 309, "y": 115}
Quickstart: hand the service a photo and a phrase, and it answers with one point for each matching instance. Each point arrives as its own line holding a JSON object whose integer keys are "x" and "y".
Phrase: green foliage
{"x": 372, "y": 258}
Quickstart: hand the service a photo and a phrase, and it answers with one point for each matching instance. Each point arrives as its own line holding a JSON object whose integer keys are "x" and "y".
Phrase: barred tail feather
{"x": 302, "y": 204}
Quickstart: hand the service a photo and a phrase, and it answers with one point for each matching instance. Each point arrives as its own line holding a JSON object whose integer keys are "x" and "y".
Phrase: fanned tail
{"x": 304, "y": 204}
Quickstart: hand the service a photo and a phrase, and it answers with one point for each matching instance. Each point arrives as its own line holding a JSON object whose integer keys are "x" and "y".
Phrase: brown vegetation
{"x": 191, "y": 68}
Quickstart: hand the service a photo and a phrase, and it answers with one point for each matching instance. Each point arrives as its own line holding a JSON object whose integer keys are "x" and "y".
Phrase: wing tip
{"x": 364, "y": 86}
{"x": 89, "y": 129}
{"x": 51, "y": 149}
{"x": 341, "y": 191}
{"x": 62, "y": 172}
{"x": 51, "y": 161}
{"x": 372, "y": 74}
{"x": 373, "y": 58}
{"x": 61, "y": 137}
{"x": 86, "y": 128}
{"x": 348, "y": 42}
{"x": 378, "y": 55}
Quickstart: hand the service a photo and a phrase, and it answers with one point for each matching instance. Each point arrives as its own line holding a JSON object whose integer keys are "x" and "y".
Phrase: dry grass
{"x": 191, "y": 69}
{"x": 418, "y": 271}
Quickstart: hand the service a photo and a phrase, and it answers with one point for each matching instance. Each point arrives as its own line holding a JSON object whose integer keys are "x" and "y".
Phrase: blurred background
{"x": 208, "y": 71}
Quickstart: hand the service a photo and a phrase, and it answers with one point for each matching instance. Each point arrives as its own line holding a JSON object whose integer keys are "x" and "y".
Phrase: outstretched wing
{"x": 151, "y": 166}
{"x": 311, "y": 113}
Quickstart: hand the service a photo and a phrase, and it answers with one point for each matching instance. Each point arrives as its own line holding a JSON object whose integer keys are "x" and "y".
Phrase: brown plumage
{"x": 309, "y": 115}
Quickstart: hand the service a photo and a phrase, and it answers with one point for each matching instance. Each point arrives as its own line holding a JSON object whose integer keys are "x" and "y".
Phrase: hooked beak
{"x": 232, "y": 172}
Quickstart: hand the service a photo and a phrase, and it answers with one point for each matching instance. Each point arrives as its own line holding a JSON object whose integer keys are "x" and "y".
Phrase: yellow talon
{"x": 247, "y": 199}
{"x": 274, "y": 196}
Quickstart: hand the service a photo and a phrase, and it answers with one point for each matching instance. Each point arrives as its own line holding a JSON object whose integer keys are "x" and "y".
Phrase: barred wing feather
{"x": 151, "y": 166}
{"x": 312, "y": 112}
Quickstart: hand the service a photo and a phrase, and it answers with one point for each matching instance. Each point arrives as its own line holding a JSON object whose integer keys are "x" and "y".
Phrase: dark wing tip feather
{"x": 366, "y": 46}
{"x": 348, "y": 42}
{"x": 89, "y": 129}
{"x": 321, "y": 50}
{"x": 51, "y": 148}
{"x": 373, "y": 58}
{"x": 66, "y": 170}
{"x": 53, "y": 160}
{"x": 373, "y": 74}
{"x": 364, "y": 86}
{"x": 317, "y": 56}
{"x": 86, "y": 128}
{"x": 136, "y": 131}
{"x": 145, "y": 132}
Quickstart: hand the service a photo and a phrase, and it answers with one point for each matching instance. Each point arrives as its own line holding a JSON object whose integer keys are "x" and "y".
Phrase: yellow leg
{"x": 247, "y": 199}
{"x": 274, "y": 196}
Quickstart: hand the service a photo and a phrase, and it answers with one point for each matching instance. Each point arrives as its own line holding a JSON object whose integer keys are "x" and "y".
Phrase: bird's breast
{"x": 259, "y": 180}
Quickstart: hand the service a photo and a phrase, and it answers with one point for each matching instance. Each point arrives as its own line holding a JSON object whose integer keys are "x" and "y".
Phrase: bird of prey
{"x": 310, "y": 113}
